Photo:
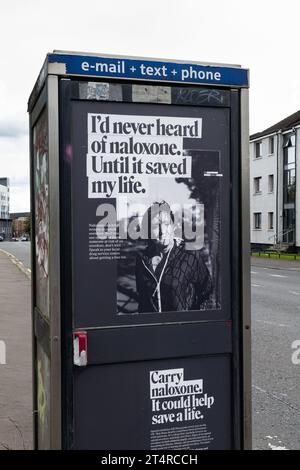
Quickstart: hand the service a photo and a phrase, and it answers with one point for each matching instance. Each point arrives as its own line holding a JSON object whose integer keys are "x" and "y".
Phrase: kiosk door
{"x": 150, "y": 248}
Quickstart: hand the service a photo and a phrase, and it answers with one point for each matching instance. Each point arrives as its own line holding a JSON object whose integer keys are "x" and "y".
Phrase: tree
{"x": 206, "y": 190}
{"x": 27, "y": 225}
{"x": 14, "y": 228}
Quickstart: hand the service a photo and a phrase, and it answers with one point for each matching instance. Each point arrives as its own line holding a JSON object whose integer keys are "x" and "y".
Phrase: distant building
{"x": 5, "y": 221}
{"x": 4, "y": 198}
{"x": 274, "y": 194}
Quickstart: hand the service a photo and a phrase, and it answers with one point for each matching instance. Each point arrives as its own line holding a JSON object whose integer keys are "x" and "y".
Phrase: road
{"x": 276, "y": 380}
{"x": 20, "y": 250}
{"x": 275, "y": 326}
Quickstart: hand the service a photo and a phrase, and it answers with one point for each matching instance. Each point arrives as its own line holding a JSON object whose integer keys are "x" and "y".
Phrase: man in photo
{"x": 168, "y": 276}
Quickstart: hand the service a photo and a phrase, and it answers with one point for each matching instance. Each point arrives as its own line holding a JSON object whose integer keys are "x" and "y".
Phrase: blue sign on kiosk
{"x": 140, "y": 266}
{"x": 153, "y": 70}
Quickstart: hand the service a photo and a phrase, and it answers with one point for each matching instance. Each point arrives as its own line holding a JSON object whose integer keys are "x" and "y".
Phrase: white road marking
{"x": 276, "y": 397}
{"x": 259, "y": 389}
{"x": 256, "y": 285}
{"x": 294, "y": 292}
{"x": 271, "y": 323}
{"x": 275, "y": 447}
{"x": 253, "y": 272}
{"x": 272, "y": 447}
{"x": 277, "y": 275}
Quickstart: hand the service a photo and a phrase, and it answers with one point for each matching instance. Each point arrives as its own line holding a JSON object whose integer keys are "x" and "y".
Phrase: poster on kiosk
{"x": 140, "y": 268}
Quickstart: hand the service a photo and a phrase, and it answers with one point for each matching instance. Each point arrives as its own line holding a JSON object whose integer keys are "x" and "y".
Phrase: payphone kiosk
{"x": 140, "y": 254}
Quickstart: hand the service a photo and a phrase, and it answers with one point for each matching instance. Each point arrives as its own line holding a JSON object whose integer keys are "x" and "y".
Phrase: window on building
{"x": 271, "y": 183}
{"x": 289, "y": 150}
{"x": 271, "y": 220}
{"x": 257, "y": 220}
{"x": 288, "y": 235}
{"x": 258, "y": 152}
{"x": 289, "y": 187}
{"x": 257, "y": 184}
{"x": 271, "y": 145}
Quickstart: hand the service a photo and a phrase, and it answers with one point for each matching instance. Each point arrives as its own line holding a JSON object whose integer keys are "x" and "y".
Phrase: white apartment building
{"x": 4, "y": 198}
{"x": 274, "y": 195}
{"x": 5, "y": 221}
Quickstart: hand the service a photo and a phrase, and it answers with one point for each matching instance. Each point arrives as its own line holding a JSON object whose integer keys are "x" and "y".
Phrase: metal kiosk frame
{"x": 198, "y": 84}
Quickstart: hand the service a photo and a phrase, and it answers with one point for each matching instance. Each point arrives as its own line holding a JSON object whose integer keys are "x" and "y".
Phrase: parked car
{"x": 24, "y": 239}
{"x": 1, "y": 239}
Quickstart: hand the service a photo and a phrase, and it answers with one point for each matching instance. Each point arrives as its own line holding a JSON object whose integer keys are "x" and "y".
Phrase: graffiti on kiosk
{"x": 41, "y": 184}
{"x": 41, "y": 394}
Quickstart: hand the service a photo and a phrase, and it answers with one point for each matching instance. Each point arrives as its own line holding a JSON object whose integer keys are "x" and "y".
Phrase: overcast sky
{"x": 262, "y": 36}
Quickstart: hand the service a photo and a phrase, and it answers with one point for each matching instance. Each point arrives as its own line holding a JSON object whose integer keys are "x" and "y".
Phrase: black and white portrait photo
{"x": 174, "y": 265}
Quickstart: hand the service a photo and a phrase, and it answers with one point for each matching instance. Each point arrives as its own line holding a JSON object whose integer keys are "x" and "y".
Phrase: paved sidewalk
{"x": 16, "y": 375}
{"x": 275, "y": 263}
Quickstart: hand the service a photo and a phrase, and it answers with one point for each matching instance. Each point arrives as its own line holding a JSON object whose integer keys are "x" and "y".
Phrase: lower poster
{"x": 178, "y": 404}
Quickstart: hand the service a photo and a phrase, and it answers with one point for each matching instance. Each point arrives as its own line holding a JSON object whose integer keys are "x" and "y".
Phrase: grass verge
{"x": 283, "y": 256}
